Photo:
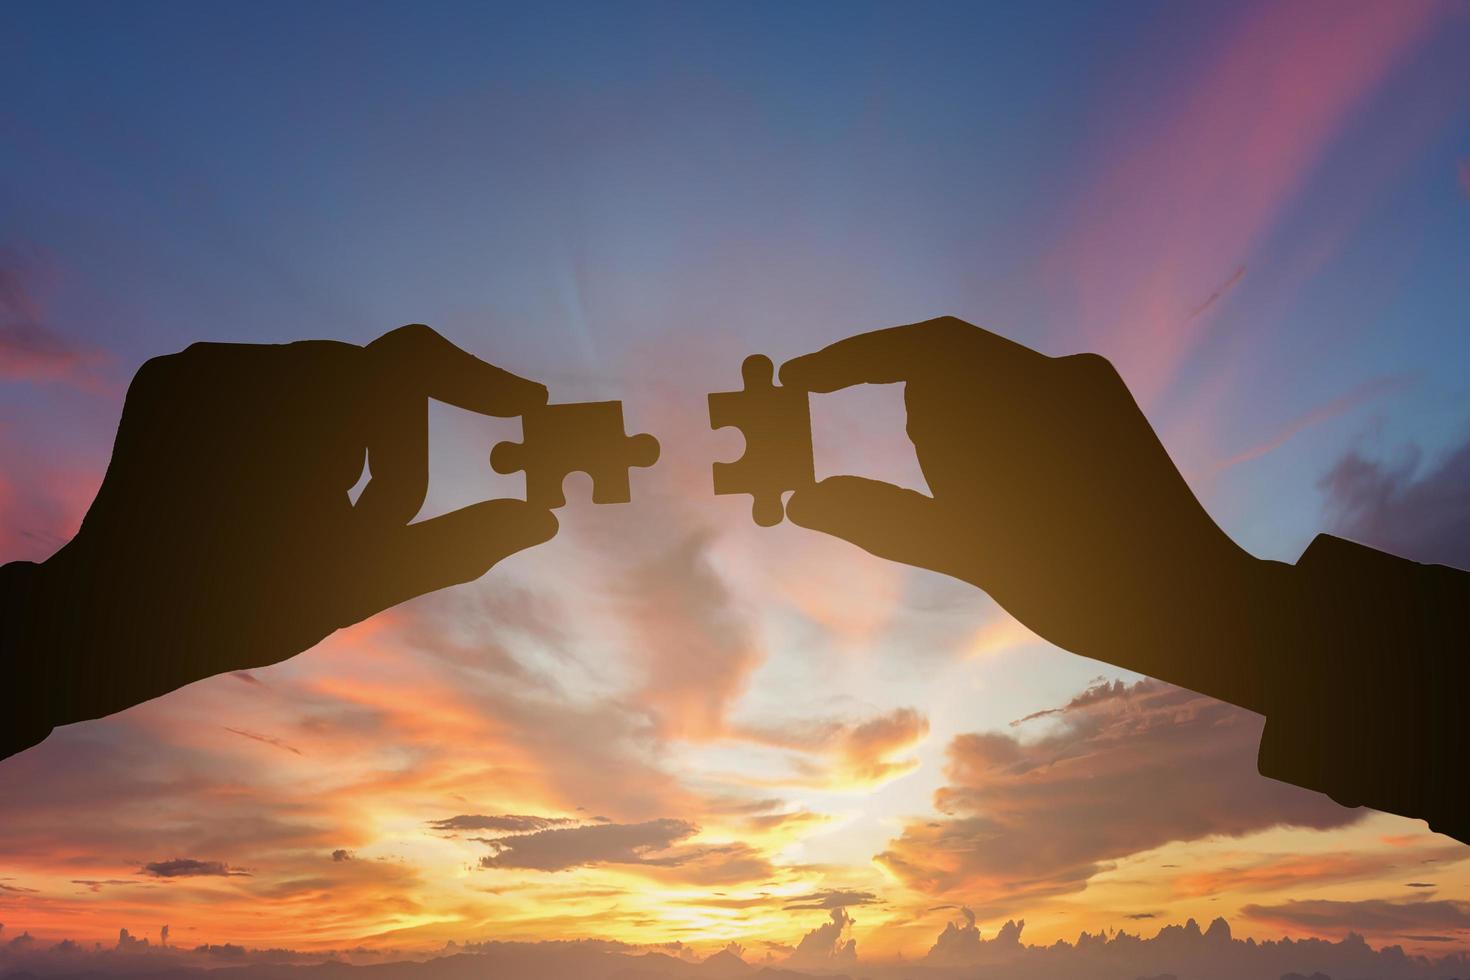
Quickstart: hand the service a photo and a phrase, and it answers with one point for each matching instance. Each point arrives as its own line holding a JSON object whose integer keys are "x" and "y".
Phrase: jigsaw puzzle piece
{"x": 777, "y": 424}
{"x": 575, "y": 437}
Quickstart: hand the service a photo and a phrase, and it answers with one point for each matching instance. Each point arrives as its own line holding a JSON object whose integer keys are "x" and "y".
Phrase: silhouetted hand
{"x": 1051, "y": 492}
{"x": 223, "y": 536}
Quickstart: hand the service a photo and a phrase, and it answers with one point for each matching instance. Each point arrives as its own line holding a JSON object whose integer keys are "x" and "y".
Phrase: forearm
{"x": 1211, "y": 624}
{"x": 25, "y": 715}
{"x": 70, "y": 654}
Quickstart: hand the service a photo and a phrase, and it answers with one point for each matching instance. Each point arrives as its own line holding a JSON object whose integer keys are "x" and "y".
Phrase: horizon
{"x": 1211, "y": 952}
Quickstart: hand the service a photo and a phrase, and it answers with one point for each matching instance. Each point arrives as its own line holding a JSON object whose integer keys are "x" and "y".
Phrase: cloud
{"x": 1218, "y": 294}
{"x": 97, "y": 884}
{"x": 829, "y": 898}
{"x": 514, "y": 823}
{"x": 30, "y": 348}
{"x": 1370, "y": 916}
{"x": 1270, "y": 872}
{"x": 190, "y": 868}
{"x": 561, "y": 848}
{"x": 1120, "y": 770}
{"x": 649, "y": 847}
{"x": 1424, "y": 516}
{"x": 341, "y": 854}
{"x": 824, "y": 947}
{"x": 866, "y": 750}
{"x": 850, "y": 754}
{"x": 961, "y": 944}
{"x": 698, "y": 651}
{"x": 713, "y": 865}
{"x": 957, "y": 943}
{"x": 1181, "y": 950}
{"x": 266, "y": 739}
{"x": 1357, "y": 396}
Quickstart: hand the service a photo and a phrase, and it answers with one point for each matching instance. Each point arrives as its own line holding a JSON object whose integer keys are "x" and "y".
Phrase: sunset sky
{"x": 669, "y": 724}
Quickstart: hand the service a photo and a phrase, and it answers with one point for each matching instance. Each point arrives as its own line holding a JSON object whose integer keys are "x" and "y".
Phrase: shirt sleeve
{"x": 1367, "y": 697}
{"x": 24, "y": 698}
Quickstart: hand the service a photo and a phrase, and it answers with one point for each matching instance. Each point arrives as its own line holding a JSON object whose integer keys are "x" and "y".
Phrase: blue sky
{"x": 1261, "y": 213}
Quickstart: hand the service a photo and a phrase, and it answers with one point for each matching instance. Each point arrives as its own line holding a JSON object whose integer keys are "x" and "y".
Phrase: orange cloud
{"x": 1369, "y": 917}
{"x": 1274, "y": 872}
{"x": 1124, "y": 769}
{"x": 848, "y": 754}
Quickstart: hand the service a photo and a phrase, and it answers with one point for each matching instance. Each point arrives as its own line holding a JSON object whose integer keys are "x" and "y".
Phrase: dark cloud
{"x": 1219, "y": 292}
{"x": 1397, "y": 507}
{"x": 97, "y": 884}
{"x": 1420, "y": 884}
{"x": 509, "y": 823}
{"x": 960, "y": 944}
{"x": 824, "y": 947}
{"x": 723, "y": 864}
{"x": 1141, "y": 915}
{"x": 265, "y": 739}
{"x": 190, "y": 868}
{"x": 1179, "y": 950}
{"x": 1372, "y": 916}
{"x": 1270, "y": 872}
{"x": 829, "y": 898}
{"x": 560, "y": 848}
{"x": 1121, "y": 769}
{"x": 341, "y": 854}
{"x": 957, "y": 943}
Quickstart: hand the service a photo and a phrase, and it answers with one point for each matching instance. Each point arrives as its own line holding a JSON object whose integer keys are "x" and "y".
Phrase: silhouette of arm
{"x": 1051, "y": 491}
{"x": 1369, "y": 705}
{"x": 223, "y": 538}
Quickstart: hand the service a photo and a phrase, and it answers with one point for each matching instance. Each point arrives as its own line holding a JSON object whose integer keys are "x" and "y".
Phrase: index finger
{"x": 895, "y": 354}
{"x": 416, "y": 357}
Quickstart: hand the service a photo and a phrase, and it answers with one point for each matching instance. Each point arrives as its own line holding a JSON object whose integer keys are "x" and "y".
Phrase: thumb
{"x": 888, "y": 521}
{"x": 456, "y": 547}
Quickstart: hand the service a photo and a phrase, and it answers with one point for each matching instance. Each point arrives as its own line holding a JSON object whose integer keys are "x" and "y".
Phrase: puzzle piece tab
{"x": 576, "y": 437}
{"x": 777, "y": 424}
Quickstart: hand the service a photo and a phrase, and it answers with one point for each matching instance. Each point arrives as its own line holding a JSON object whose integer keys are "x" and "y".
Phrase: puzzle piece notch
{"x": 575, "y": 437}
{"x": 777, "y": 425}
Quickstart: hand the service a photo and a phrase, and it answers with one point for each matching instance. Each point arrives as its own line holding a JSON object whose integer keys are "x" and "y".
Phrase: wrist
{"x": 1222, "y": 616}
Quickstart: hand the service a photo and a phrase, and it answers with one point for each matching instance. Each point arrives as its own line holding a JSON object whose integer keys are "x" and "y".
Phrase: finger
{"x": 891, "y": 522}
{"x": 416, "y": 358}
{"x": 454, "y": 548}
{"x": 398, "y": 458}
{"x": 897, "y": 354}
